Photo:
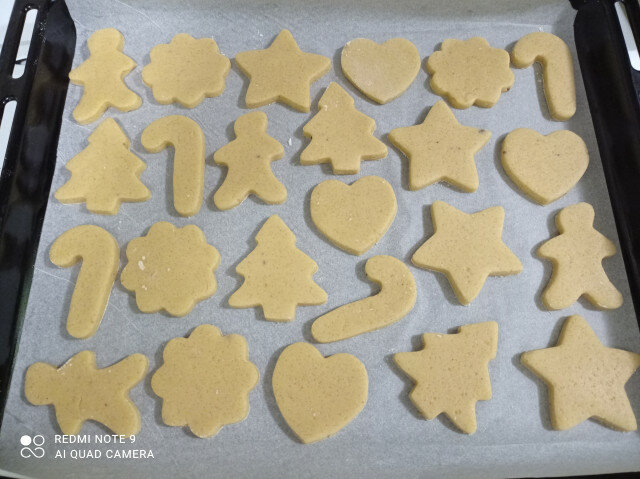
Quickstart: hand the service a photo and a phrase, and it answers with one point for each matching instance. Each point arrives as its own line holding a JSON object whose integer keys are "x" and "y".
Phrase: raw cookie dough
{"x": 557, "y": 69}
{"x": 470, "y": 72}
{"x": 340, "y": 134}
{"x": 577, "y": 255}
{"x": 467, "y": 248}
{"x": 451, "y": 373}
{"x": 585, "y": 379}
{"x": 187, "y": 139}
{"x": 80, "y": 391}
{"x": 248, "y": 160}
{"x": 353, "y": 217}
{"x": 205, "y": 381}
{"x": 170, "y": 269}
{"x": 186, "y": 70}
{"x": 318, "y": 396}
{"x": 102, "y": 76}
{"x": 396, "y": 298}
{"x": 277, "y": 275}
{"x": 544, "y": 167}
{"x": 281, "y": 73}
{"x": 105, "y": 173}
{"x": 100, "y": 257}
{"x": 381, "y": 71}
{"x": 441, "y": 149}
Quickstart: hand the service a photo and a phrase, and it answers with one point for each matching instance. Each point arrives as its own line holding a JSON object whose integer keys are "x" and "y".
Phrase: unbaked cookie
{"x": 544, "y": 167}
{"x": 340, "y": 134}
{"x": 80, "y": 392}
{"x": 281, "y": 73}
{"x": 585, "y": 378}
{"x": 186, "y": 70}
{"x": 248, "y": 160}
{"x": 467, "y": 248}
{"x": 381, "y": 71}
{"x": 105, "y": 173}
{"x": 318, "y": 396}
{"x": 470, "y": 72}
{"x": 396, "y": 298}
{"x": 170, "y": 269}
{"x": 102, "y": 76}
{"x": 353, "y": 217}
{"x": 577, "y": 255}
{"x": 441, "y": 149}
{"x": 277, "y": 275}
{"x": 451, "y": 373}
{"x": 205, "y": 381}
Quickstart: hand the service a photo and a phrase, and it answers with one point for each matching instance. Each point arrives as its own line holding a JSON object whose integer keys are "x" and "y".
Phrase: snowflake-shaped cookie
{"x": 186, "y": 71}
{"x": 170, "y": 269}
{"x": 470, "y": 72}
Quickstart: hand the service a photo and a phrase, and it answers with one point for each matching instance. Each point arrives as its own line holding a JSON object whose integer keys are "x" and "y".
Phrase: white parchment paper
{"x": 388, "y": 438}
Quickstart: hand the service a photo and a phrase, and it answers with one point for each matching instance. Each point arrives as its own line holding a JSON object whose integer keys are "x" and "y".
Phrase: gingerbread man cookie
{"x": 281, "y": 73}
{"x": 102, "y": 76}
{"x": 80, "y": 391}
{"x": 248, "y": 160}
{"x": 186, "y": 71}
{"x": 340, "y": 134}
{"x": 205, "y": 381}
{"x": 577, "y": 255}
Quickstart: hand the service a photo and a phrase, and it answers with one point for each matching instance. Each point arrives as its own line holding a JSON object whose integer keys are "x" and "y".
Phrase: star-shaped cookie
{"x": 281, "y": 73}
{"x": 441, "y": 149}
{"x": 585, "y": 379}
{"x": 467, "y": 248}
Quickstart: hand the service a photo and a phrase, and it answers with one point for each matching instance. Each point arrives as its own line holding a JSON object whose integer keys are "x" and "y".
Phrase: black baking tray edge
{"x": 612, "y": 86}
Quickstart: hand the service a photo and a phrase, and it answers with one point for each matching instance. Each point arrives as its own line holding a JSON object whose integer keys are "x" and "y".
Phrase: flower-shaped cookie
{"x": 205, "y": 381}
{"x": 170, "y": 268}
{"x": 470, "y": 72}
{"x": 186, "y": 70}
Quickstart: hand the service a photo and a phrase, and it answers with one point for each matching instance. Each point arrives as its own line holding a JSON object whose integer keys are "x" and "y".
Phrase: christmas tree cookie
{"x": 248, "y": 160}
{"x": 340, "y": 134}
{"x": 277, "y": 275}
{"x": 105, "y": 173}
{"x": 102, "y": 76}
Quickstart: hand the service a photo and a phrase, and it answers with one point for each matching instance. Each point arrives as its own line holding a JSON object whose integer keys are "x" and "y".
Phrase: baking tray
{"x": 388, "y": 438}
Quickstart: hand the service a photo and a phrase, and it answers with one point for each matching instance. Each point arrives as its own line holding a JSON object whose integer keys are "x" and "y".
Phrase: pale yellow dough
{"x": 100, "y": 257}
{"x": 102, "y": 76}
{"x": 248, "y": 160}
{"x": 577, "y": 255}
{"x": 441, "y": 149}
{"x": 451, "y": 373}
{"x": 470, "y": 72}
{"x": 381, "y": 71}
{"x": 277, "y": 275}
{"x": 205, "y": 381}
{"x": 318, "y": 396}
{"x": 353, "y": 217}
{"x": 544, "y": 167}
{"x": 467, "y": 248}
{"x": 80, "y": 391}
{"x": 170, "y": 269}
{"x": 105, "y": 173}
{"x": 340, "y": 134}
{"x": 585, "y": 378}
{"x": 396, "y": 298}
{"x": 187, "y": 139}
{"x": 281, "y": 73}
{"x": 557, "y": 69}
{"x": 186, "y": 70}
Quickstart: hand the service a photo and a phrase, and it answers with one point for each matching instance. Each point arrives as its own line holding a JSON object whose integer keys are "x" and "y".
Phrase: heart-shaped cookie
{"x": 318, "y": 396}
{"x": 381, "y": 71}
{"x": 354, "y": 217}
{"x": 544, "y": 167}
